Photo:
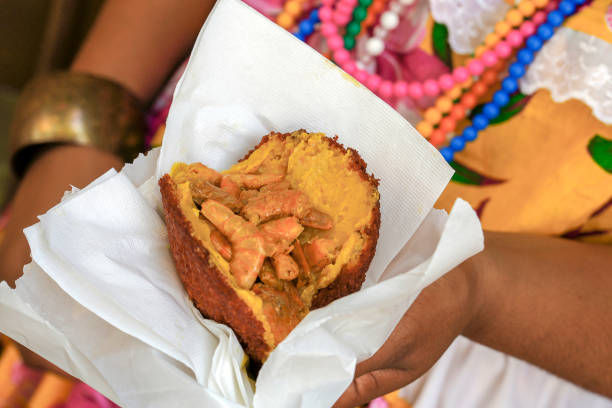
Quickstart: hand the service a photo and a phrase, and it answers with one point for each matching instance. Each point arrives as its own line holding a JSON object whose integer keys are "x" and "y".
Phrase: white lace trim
{"x": 468, "y": 21}
{"x": 574, "y": 65}
{"x": 571, "y": 65}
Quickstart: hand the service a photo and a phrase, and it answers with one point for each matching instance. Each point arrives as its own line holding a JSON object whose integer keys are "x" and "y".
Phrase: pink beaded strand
{"x": 331, "y": 19}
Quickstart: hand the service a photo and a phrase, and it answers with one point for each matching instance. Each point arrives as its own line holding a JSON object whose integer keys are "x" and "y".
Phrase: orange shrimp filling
{"x": 293, "y": 215}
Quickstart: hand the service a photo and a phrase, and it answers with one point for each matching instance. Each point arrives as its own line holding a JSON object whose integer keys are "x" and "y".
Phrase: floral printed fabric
{"x": 544, "y": 166}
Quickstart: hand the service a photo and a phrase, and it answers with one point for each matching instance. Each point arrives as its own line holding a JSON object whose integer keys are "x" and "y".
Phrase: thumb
{"x": 370, "y": 385}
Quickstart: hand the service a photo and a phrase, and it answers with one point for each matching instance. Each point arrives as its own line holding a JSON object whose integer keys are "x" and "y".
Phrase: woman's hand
{"x": 41, "y": 188}
{"x": 437, "y": 316}
{"x": 544, "y": 300}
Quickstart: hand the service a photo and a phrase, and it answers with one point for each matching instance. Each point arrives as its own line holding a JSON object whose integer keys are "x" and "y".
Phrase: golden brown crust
{"x": 215, "y": 297}
{"x": 207, "y": 287}
{"x": 263, "y": 141}
{"x": 357, "y": 163}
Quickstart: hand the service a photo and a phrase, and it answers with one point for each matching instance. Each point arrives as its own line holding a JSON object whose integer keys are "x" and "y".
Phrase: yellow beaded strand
{"x": 441, "y": 108}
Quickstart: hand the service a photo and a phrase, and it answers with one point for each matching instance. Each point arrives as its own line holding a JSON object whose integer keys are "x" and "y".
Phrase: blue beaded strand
{"x": 501, "y": 98}
{"x": 307, "y": 25}
{"x": 510, "y": 85}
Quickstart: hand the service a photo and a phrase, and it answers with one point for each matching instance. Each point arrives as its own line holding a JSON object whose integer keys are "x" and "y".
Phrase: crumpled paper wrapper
{"x": 101, "y": 298}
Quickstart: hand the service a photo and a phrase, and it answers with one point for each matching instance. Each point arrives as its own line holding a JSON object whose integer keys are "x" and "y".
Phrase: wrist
{"x": 73, "y": 164}
{"x": 47, "y": 178}
{"x": 482, "y": 282}
{"x": 457, "y": 294}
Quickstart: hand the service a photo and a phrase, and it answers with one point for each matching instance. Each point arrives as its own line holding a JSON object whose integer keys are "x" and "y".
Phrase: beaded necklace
{"x": 355, "y": 25}
{"x": 291, "y": 10}
{"x": 499, "y": 45}
{"x": 516, "y": 71}
{"x": 388, "y": 22}
{"x": 496, "y": 48}
{"x": 377, "y": 7}
{"x": 307, "y": 26}
{"x": 434, "y": 116}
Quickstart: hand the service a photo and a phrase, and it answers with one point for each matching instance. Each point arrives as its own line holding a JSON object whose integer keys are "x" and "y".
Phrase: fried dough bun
{"x": 290, "y": 228}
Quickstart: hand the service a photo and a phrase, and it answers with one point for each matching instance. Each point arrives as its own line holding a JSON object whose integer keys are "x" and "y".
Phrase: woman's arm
{"x": 133, "y": 42}
{"x": 548, "y": 301}
{"x": 138, "y": 42}
{"x": 545, "y": 300}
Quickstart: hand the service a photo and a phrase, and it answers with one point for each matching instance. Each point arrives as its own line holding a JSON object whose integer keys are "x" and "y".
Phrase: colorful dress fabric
{"x": 543, "y": 167}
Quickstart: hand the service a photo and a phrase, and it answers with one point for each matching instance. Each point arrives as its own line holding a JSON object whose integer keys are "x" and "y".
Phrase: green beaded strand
{"x": 353, "y": 28}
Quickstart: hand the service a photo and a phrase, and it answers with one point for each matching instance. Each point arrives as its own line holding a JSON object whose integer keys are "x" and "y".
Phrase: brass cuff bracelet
{"x": 75, "y": 108}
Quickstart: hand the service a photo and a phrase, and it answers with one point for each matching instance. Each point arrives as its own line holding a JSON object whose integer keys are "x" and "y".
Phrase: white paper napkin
{"x": 247, "y": 77}
{"x": 102, "y": 299}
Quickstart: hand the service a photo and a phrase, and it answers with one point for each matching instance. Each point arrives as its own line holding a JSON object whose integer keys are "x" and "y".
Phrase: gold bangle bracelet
{"x": 75, "y": 108}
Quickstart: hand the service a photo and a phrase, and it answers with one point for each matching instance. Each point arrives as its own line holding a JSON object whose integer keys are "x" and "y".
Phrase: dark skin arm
{"x": 544, "y": 300}
{"x": 138, "y": 42}
{"x": 559, "y": 313}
